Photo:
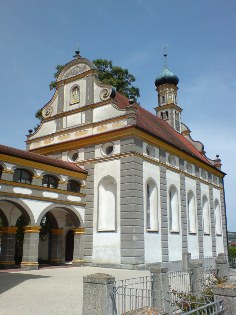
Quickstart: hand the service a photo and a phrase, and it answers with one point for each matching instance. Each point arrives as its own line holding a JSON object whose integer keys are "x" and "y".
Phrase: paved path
{"x": 49, "y": 291}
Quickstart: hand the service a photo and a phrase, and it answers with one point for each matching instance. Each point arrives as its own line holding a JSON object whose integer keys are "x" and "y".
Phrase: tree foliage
{"x": 232, "y": 251}
{"x": 116, "y": 76}
{"x": 52, "y": 85}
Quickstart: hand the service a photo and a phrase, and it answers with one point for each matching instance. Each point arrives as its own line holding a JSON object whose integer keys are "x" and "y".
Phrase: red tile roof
{"x": 40, "y": 158}
{"x": 160, "y": 128}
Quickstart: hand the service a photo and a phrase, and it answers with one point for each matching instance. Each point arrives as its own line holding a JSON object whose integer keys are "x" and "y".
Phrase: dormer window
{"x": 22, "y": 176}
{"x": 50, "y": 181}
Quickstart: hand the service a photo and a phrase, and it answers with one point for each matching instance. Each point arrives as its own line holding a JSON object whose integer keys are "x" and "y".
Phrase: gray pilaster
{"x": 199, "y": 219}
{"x": 30, "y": 248}
{"x": 78, "y": 246}
{"x": 8, "y": 247}
{"x": 224, "y": 222}
{"x": 131, "y": 204}
{"x": 88, "y": 116}
{"x": 89, "y": 153}
{"x": 60, "y": 104}
{"x": 184, "y": 215}
{"x": 89, "y": 90}
{"x": 131, "y": 210}
{"x": 164, "y": 214}
{"x": 212, "y": 214}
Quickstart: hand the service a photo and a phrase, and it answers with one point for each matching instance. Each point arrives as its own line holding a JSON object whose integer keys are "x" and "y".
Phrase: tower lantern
{"x": 166, "y": 86}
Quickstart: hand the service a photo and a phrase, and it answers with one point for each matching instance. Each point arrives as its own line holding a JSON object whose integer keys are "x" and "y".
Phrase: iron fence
{"x": 132, "y": 294}
{"x": 213, "y": 308}
{"x": 180, "y": 281}
{"x": 232, "y": 262}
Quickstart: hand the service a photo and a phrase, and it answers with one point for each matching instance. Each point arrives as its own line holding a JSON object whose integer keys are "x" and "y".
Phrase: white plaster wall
{"x": 36, "y": 207}
{"x": 106, "y": 245}
{"x": 74, "y": 120}
{"x": 82, "y": 85}
{"x": 174, "y": 239}
{"x": 106, "y": 112}
{"x": 152, "y": 240}
{"x": 47, "y": 128}
{"x": 193, "y": 245}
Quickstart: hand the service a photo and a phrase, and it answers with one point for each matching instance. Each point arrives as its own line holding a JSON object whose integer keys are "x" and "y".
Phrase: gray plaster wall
{"x": 131, "y": 204}
{"x": 224, "y": 221}
{"x": 199, "y": 219}
{"x": 184, "y": 216}
{"x": 89, "y": 90}
{"x": 164, "y": 211}
{"x": 89, "y": 153}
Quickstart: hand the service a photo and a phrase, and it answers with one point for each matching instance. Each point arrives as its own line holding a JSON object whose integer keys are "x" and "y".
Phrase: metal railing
{"x": 132, "y": 294}
{"x": 212, "y": 308}
{"x": 232, "y": 262}
{"x": 180, "y": 281}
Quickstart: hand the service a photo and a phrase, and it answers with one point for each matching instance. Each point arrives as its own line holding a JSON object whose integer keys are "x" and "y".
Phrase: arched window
{"x": 1, "y": 169}
{"x": 50, "y": 181}
{"x": 218, "y": 227}
{"x": 107, "y": 204}
{"x": 151, "y": 204}
{"x": 172, "y": 160}
{"x": 192, "y": 226}
{"x": 73, "y": 186}
{"x": 173, "y": 209}
{"x": 22, "y": 176}
{"x": 205, "y": 213}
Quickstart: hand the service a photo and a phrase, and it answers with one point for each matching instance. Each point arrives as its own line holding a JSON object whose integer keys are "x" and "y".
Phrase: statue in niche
{"x": 75, "y": 95}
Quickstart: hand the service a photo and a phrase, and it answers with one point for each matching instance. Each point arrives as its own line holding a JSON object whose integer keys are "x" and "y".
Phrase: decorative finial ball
{"x": 217, "y": 156}
{"x": 30, "y": 131}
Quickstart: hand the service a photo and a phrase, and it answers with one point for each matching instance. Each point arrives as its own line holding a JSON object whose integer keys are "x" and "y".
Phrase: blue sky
{"x": 35, "y": 36}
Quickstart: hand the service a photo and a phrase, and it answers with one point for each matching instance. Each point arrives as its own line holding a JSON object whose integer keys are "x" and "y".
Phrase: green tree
{"x": 232, "y": 251}
{"x": 116, "y": 76}
{"x": 59, "y": 68}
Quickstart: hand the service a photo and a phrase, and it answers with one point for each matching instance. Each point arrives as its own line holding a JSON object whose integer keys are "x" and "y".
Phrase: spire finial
{"x": 165, "y": 54}
{"x": 77, "y": 52}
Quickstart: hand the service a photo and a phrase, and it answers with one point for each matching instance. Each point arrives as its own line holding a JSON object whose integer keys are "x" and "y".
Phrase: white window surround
{"x": 191, "y": 206}
{"x": 151, "y": 206}
{"x": 107, "y": 199}
{"x": 205, "y": 216}
{"x": 218, "y": 221}
{"x": 174, "y": 225}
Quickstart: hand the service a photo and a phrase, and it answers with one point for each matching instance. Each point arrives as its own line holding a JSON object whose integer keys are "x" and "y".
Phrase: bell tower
{"x": 166, "y": 87}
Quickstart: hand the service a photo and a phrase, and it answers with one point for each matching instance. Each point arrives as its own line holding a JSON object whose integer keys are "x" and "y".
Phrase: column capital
{"x": 9, "y": 229}
{"x": 32, "y": 229}
{"x": 79, "y": 230}
{"x": 57, "y": 231}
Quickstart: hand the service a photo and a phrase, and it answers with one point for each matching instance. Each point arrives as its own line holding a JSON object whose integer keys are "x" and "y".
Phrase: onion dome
{"x": 166, "y": 77}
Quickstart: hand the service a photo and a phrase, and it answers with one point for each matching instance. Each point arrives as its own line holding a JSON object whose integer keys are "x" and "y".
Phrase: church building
{"x": 132, "y": 187}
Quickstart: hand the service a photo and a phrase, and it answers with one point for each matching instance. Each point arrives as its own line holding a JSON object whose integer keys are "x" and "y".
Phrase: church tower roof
{"x": 166, "y": 76}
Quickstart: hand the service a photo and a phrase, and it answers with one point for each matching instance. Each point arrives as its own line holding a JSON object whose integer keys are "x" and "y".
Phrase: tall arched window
{"x": 107, "y": 204}
{"x": 218, "y": 226}
{"x": 50, "y": 181}
{"x": 151, "y": 205}
{"x": 206, "y": 217}
{"x": 174, "y": 209}
{"x": 22, "y": 176}
{"x": 192, "y": 226}
{"x": 1, "y": 169}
